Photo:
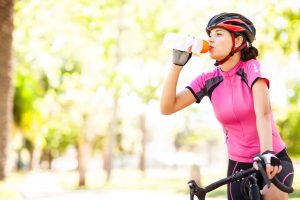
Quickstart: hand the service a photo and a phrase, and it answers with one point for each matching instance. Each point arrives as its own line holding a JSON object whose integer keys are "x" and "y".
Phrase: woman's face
{"x": 221, "y": 43}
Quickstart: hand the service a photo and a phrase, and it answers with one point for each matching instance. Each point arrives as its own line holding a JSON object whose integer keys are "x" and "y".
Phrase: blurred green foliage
{"x": 290, "y": 125}
{"x": 73, "y": 59}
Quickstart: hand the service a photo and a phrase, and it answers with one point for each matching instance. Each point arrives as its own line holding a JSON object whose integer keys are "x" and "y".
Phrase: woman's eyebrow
{"x": 219, "y": 30}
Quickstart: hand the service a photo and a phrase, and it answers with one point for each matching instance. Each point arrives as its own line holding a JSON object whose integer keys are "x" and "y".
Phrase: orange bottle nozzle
{"x": 205, "y": 47}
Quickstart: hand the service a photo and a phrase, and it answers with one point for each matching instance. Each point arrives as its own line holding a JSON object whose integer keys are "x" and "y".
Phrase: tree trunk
{"x": 35, "y": 158}
{"x": 6, "y": 91}
{"x": 109, "y": 151}
{"x": 195, "y": 174}
{"x": 46, "y": 157}
{"x": 82, "y": 162}
{"x": 142, "y": 164}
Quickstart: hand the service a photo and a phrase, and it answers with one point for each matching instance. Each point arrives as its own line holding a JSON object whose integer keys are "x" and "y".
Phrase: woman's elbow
{"x": 164, "y": 110}
{"x": 266, "y": 113}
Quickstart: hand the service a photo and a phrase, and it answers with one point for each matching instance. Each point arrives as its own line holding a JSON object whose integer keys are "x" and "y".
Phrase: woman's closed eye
{"x": 218, "y": 34}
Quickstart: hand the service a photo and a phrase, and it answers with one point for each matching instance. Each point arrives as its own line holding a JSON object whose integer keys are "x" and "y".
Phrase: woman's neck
{"x": 231, "y": 62}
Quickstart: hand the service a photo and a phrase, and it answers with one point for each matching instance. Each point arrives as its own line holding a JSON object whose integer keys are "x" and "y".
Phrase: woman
{"x": 239, "y": 95}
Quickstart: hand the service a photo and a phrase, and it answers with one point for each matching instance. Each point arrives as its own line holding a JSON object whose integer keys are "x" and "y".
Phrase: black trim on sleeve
{"x": 257, "y": 79}
{"x": 192, "y": 91}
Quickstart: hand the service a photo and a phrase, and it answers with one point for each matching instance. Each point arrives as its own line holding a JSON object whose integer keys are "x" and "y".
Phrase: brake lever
{"x": 263, "y": 173}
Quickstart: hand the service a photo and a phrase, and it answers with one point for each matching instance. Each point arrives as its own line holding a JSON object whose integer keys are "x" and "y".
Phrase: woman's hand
{"x": 180, "y": 58}
{"x": 273, "y": 164}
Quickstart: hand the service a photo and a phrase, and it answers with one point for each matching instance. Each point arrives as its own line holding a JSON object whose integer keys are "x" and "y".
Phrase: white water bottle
{"x": 182, "y": 43}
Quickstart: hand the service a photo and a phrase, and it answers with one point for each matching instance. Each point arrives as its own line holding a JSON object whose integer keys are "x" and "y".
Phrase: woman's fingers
{"x": 272, "y": 170}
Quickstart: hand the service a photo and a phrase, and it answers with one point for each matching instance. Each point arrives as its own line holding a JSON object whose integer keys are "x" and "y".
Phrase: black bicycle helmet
{"x": 233, "y": 22}
{"x": 236, "y": 24}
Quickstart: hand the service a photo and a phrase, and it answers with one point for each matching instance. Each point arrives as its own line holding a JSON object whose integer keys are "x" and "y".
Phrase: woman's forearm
{"x": 168, "y": 97}
{"x": 264, "y": 129}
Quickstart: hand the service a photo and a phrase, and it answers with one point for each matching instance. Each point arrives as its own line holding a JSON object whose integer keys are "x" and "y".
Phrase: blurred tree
{"x": 50, "y": 100}
{"x": 281, "y": 28}
{"x": 69, "y": 51}
{"x": 289, "y": 126}
{"x": 130, "y": 45}
{"x": 146, "y": 94}
{"x": 27, "y": 118}
{"x": 6, "y": 72}
{"x": 30, "y": 88}
{"x": 115, "y": 89}
{"x": 146, "y": 79}
{"x": 113, "y": 81}
{"x": 98, "y": 32}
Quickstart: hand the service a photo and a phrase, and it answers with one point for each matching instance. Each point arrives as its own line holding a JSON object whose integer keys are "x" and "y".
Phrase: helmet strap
{"x": 232, "y": 52}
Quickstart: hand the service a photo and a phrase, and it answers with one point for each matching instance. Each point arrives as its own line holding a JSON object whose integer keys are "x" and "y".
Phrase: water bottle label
{"x": 189, "y": 42}
{"x": 182, "y": 43}
{"x": 197, "y": 47}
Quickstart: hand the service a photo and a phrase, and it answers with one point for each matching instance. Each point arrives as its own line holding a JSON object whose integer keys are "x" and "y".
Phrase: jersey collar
{"x": 233, "y": 70}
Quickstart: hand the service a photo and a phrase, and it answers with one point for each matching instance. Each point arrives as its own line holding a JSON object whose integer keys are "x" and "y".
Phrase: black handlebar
{"x": 238, "y": 176}
{"x": 281, "y": 186}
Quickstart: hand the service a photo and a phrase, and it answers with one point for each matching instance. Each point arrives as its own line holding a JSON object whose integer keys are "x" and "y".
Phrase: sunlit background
{"x": 87, "y": 78}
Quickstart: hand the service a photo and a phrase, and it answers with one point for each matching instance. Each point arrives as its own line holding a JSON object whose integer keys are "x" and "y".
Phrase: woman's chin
{"x": 216, "y": 57}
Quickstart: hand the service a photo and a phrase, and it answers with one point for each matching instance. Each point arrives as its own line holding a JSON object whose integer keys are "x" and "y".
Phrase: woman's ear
{"x": 239, "y": 41}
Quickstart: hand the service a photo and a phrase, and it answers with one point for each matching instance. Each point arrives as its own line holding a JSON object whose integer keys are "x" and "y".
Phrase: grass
{"x": 128, "y": 179}
{"x": 166, "y": 180}
{"x": 8, "y": 188}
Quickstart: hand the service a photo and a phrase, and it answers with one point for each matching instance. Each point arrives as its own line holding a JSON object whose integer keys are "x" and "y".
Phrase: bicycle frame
{"x": 254, "y": 193}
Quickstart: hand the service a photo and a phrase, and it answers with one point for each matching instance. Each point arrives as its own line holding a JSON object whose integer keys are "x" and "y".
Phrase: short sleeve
{"x": 198, "y": 88}
{"x": 254, "y": 73}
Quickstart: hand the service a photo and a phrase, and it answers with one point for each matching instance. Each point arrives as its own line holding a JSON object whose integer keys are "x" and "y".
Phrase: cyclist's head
{"x": 235, "y": 23}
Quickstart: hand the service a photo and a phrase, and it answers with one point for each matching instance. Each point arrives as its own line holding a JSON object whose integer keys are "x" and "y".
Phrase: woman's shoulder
{"x": 212, "y": 72}
{"x": 251, "y": 64}
{"x": 206, "y": 75}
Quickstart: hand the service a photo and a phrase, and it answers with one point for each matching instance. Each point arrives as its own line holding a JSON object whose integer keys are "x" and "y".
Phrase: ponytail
{"x": 249, "y": 53}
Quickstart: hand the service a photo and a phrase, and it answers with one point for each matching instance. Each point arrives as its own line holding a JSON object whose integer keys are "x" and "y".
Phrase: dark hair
{"x": 249, "y": 53}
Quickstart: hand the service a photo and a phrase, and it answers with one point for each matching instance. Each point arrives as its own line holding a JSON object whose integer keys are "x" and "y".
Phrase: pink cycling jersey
{"x": 231, "y": 96}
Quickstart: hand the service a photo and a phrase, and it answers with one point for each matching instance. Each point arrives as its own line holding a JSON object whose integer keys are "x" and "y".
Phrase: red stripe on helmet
{"x": 234, "y": 20}
{"x": 231, "y": 27}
